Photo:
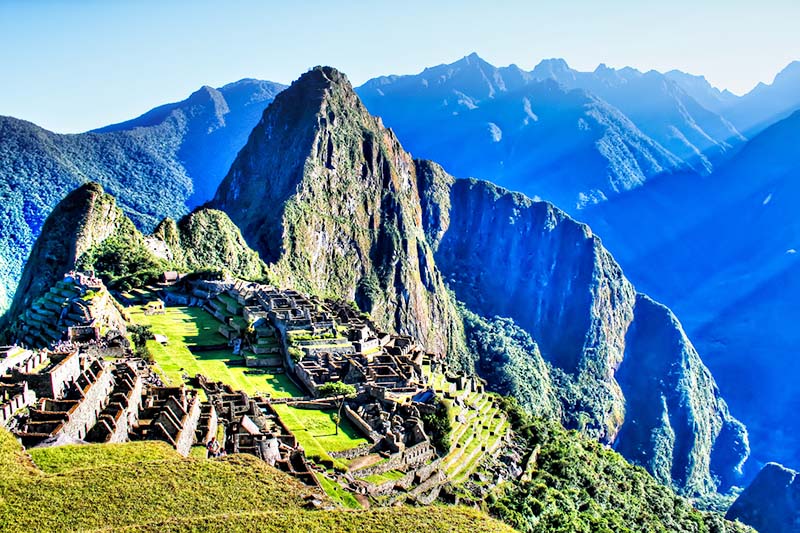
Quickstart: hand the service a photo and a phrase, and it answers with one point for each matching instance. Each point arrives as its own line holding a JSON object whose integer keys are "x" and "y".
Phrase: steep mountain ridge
{"x": 330, "y": 200}
{"x": 565, "y": 289}
{"x": 722, "y": 252}
{"x": 699, "y": 88}
{"x": 335, "y": 206}
{"x": 162, "y": 164}
{"x": 766, "y": 104}
{"x": 658, "y": 106}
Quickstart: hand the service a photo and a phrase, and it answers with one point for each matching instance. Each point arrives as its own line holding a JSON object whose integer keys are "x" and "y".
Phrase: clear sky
{"x": 72, "y": 65}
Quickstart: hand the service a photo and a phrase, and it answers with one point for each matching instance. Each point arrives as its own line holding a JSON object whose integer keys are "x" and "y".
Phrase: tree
{"x": 340, "y": 392}
{"x": 140, "y": 335}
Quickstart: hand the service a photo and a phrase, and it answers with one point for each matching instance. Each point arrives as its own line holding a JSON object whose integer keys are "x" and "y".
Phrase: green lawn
{"x": 187, "y": 326}
{"x": 391, "y": 475}
{"x": 316, "y": 431}
{"x": 58, "y": 459}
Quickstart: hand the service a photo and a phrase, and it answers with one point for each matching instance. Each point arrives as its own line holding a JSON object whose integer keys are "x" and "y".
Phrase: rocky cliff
{"x": 624, "y": 370}
{"x": 771, "y": 503}
{"x": 329, "y": 198}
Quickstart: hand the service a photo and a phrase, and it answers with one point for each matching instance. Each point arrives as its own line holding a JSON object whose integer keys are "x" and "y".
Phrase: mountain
{"x": 160, "y": 164}
{"x": 566, "y": 146}
{"x": 766, "y": 104}
{"x": 771, "y": 503}
{"x": 657, "y": 105}
{"x": 215, "y": 124}
{"x": 722, "y": 252}
{"x": 87, "y": 230}
{"x": 335, "y": 206}
{"x": 702, "y": 91}
{"x": 329, "y": 199}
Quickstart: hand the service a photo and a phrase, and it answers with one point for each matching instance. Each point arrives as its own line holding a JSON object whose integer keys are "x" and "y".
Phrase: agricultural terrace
{"x": 187, "y": 327}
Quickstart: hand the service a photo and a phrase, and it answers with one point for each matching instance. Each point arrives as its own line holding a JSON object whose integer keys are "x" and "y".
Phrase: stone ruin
{"x": 170, "y": 414}
{"x": 252, "y": 426}
{"x": 77, "y": 309}
{"x": 72, "y": 391}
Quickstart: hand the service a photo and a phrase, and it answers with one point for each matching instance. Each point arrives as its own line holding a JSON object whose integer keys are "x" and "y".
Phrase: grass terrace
{"x": 316, "y": 431}
{"x": 187, "y": 327}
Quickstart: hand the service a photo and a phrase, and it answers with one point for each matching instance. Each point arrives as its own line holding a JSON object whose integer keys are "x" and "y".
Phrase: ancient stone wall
{"x": 185, "y": 440}
{"x": 84, "y": 417}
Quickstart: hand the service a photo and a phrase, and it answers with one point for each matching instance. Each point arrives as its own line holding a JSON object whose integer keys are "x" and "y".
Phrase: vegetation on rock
{"x": 575, "y": 484}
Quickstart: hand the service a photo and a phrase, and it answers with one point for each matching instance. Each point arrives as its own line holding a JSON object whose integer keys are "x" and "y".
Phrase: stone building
{"x": 121, "y": 412}
{"x": 171, "y": 414}
{"x": 72, "y": 414}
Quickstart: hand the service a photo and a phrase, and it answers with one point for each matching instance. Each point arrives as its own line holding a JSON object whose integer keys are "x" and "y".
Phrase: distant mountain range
{"x": 698, "y": 216}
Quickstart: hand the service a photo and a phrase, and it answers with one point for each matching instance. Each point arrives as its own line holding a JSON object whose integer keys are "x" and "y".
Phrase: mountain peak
{"x": 790, "y": 73}
{"x": 549, "y": 67}
{"x": 473, "y": 58}
{"x": 323, "y": 75}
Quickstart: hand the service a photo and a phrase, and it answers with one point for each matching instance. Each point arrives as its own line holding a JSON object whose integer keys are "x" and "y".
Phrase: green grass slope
{"x": 144, "y": 487}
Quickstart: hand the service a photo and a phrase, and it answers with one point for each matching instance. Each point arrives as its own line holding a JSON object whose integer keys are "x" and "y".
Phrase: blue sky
{"x": 74, "y": 65}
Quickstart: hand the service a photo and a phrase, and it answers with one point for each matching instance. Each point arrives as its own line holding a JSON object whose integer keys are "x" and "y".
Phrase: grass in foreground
{"x": 147, "y": 490}
{"x": 193, "y": 326}
{"x": 59, "y": 459}
{"x": 440, "y": 519}
{"x": 337, "y": 493}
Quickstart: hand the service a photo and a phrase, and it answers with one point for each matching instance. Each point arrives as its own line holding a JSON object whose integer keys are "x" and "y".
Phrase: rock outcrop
{"x": 771, "y": 504}
{"x": 329, "y": 198}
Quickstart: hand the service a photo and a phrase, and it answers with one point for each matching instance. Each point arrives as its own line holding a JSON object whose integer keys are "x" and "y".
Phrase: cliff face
{"x": 675, "y": 405}
{"x": 624, "y": 370}
{"x": 329, "y": 198}
{"x": 771, "y": 503}
{"x": 506, "y": 255}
